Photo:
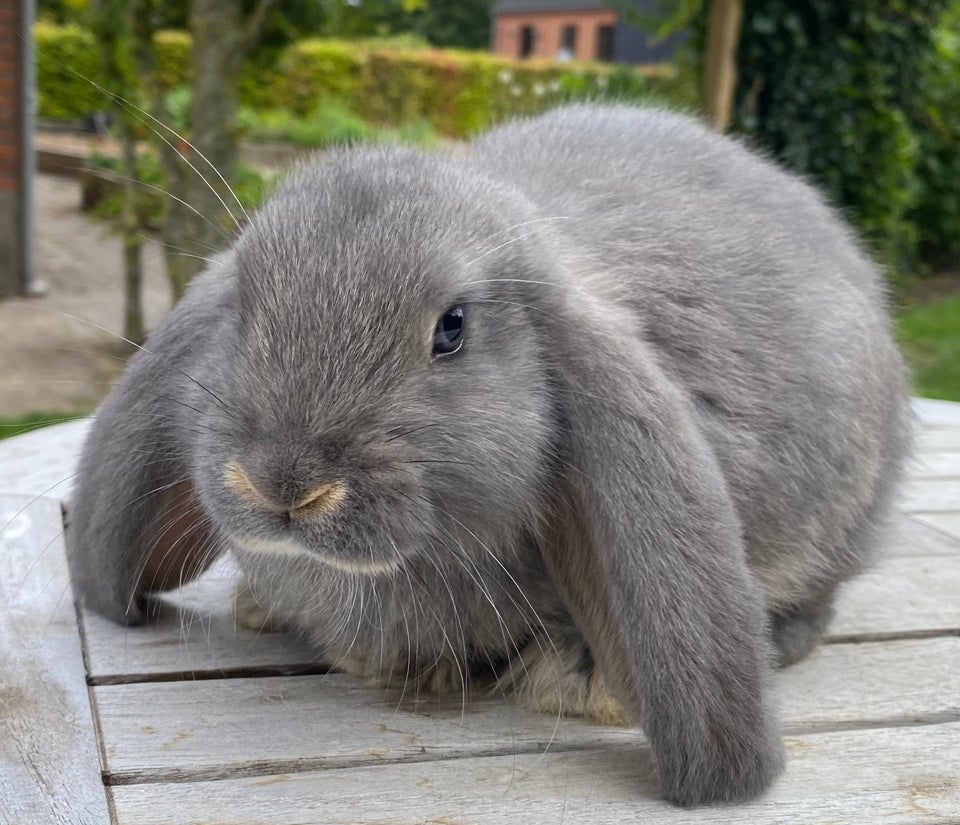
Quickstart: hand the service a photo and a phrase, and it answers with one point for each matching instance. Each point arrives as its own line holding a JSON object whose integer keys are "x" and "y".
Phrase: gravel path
{"x": 54, "y": 363}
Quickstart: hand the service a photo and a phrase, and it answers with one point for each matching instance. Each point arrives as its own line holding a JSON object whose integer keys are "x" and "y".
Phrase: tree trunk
{"x": 720, "y": 70}
{"x": 110, "y": 28}
{"x": 219, "y": 45}
{"x": 133, "y": 327}
{"x": 173, "y": 151}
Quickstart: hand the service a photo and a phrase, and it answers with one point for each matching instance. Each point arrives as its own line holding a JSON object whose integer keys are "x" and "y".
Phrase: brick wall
{"x": 548, "y": 32}
{"x": 11, "y": 165}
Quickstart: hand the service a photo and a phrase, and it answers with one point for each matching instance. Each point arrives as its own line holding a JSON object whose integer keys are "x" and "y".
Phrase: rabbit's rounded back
{"x": 758, "y": 301}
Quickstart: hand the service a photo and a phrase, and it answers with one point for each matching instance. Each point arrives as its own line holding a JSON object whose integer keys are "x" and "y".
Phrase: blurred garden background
{"x": 139, "y": 100}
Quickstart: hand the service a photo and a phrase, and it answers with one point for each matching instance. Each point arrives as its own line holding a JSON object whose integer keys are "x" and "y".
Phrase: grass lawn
{"x": 930, "y": 337}
{"x": 16, "y": 426}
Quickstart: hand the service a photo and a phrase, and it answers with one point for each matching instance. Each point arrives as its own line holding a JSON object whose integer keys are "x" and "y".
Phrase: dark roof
{"x": 512, "y": 6}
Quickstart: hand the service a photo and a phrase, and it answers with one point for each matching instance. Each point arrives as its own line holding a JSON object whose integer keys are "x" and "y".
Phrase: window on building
{"x": 527, "y": 35}
{"x": 568, "y": 42}
{"x": 605, "y": 43}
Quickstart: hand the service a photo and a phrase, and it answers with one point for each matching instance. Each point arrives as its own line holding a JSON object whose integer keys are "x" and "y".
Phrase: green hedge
{"x": 66, "y": 55}
{"x": 174, "y": 66}
{"x": 457, "y": 92}
{"x": 936, "y": 212}
{"x": 843, "y": 93}
{"x": 309, "y": 69}
{"x": 387, "y": 82}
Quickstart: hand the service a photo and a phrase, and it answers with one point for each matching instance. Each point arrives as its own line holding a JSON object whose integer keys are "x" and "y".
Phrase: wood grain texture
{"x": 915, "y": 536}
{"x": 872, "y": 684}
{"x": 42, "y": 462}
{"x": 947, "y": 523}
{"x": 941, "y": 464}
{"x": 897, "y": 776}
{"x": 196, "y": 635}
{"x": 938, "y": 439}
{"x": 931, "y": 495}
{"x": 901, "y": 596}
{"x": 934, "y": 413}
{"x": 211, "y": 729}
{"x": 49, "y": 766}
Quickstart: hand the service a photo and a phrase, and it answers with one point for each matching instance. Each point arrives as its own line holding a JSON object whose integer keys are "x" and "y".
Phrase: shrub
{"x": 833, "y": 89}
{"x": 310, "y": 70}
{"x": 173, "y": 52}
{"x": 457, "y": 92}
{"x": 69, "y": 67}
{"x": 387, "y": 81}
{"x": 66, "y": 56}
{"x": 937, "y": 209}
{"x": 329, "y": 123}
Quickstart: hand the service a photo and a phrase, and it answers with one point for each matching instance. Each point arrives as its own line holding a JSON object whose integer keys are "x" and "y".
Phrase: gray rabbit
{"x": 603, "y": 410}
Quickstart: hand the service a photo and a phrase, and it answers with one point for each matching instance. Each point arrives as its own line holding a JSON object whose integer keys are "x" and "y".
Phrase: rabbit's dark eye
{"x": 448, "y": 336}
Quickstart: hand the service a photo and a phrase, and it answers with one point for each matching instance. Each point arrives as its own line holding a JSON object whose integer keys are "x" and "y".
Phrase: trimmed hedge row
{"x": 457, "y": 92}
{"x": 66, "y": 56}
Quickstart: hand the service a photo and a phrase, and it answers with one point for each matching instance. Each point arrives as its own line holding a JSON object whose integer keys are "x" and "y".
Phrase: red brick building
{"x": 574, "y": 30}
{"x": 16, "y": 144}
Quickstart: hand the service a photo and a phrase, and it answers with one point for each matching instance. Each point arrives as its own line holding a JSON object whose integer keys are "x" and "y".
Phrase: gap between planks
{"x": 299, "y": 765}
{"x": 895, "y": 776}
{"x": 322, "y": 669}
{"x": 187, "y": 732}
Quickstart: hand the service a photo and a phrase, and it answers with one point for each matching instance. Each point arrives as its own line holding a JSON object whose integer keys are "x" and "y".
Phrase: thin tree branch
{"x": 256, "y": 22}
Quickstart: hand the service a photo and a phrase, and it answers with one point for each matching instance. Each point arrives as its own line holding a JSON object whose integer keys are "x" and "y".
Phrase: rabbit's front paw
{"x": 252, "y": 614}
{"x": 562, "y": 679}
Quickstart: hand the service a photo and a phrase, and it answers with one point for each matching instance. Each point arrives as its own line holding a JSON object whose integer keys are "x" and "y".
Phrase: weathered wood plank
{"x": 901, "y": 596}
{"x": 935, "y": 413}
{"x": 898, "y": 776}
{"x": 872, "y": 684}
{"x": 938, "y": 439}
{"x": 41, "y": 463}
{"x": 940, "y": 464}
{"x": 49, "y": 764}
{"x": 210, "y": 729}
{"x": 939, "y": 495}
{"x": 914, "y": 536}
{"x": 948, "y": 523}
{"x": 197, "y": 636}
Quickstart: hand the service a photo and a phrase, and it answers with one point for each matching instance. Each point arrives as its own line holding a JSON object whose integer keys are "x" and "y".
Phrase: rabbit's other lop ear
{"x": 135, "y": 526}
{"x": 650, "y": 558}
{"x": 135, "y": 523}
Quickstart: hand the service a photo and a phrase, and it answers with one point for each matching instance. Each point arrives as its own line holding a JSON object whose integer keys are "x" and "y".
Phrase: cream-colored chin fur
{"x": 289, "y": 548}
{"x": 285, "y": 547}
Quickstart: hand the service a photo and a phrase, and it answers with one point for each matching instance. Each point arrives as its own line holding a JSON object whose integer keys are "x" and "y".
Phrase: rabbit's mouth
{"x": 291, "y": 548}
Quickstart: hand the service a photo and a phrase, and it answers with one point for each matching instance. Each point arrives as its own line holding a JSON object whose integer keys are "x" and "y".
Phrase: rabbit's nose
{"x": 318, "y": 500}
{"x": 323, "y": 498}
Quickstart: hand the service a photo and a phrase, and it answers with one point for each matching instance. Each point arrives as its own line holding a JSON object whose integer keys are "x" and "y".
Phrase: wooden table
{"x": 195, "y": 721}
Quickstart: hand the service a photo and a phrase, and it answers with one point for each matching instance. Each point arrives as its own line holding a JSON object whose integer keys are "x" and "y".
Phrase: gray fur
{"x": 677, "y": 411}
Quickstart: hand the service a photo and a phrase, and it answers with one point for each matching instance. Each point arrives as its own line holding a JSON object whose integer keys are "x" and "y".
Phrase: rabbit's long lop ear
{"x": 134, "y": 524}
{"x": 651, "y": 560}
